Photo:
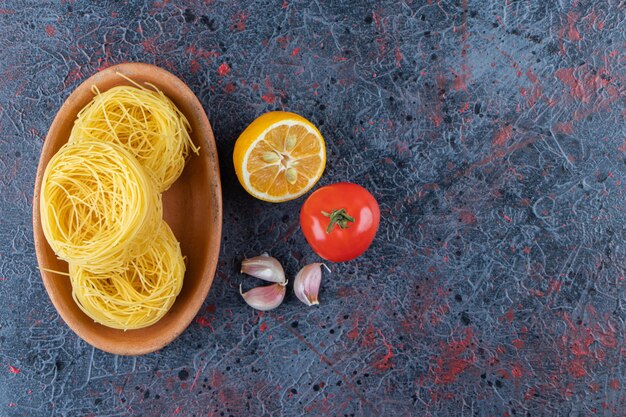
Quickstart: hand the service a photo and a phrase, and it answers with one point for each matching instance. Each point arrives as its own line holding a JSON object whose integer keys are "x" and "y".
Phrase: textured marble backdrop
{"x": 492, "y": 133}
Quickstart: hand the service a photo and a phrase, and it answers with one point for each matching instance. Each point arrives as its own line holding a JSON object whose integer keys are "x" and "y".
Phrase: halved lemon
{"x": 279, "y": 157}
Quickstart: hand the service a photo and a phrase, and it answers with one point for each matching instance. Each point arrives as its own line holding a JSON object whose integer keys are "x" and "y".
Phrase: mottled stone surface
{"x": 492, "y": 133}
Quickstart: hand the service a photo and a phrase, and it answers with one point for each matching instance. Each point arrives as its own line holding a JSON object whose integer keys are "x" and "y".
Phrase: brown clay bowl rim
{"x": 204, "y": 137}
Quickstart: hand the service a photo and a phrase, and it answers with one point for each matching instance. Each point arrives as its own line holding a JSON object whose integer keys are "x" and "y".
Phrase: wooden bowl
{"x": 192, "y": 207}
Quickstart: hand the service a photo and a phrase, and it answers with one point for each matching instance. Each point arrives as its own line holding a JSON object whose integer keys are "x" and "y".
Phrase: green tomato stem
{"x": 338, "y": 217}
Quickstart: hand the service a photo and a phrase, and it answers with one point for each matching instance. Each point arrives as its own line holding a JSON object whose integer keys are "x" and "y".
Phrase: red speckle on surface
{"x": 582, "y": 340}
{"x": 207, "y": 319}
{"x": 354, "y": 332}
{"x": 369, "y": 336}
{"x": 343, "y": 292}
{"x": 376, "y": 20}
{"x": 584, "y": 83}
{"x": 201, "y": 53}
{"x": 555, "y": 286}
{"x": 7, "y": 11}
{"x": 455, "y": 357}
{"x": 518, "y": 343}
{"x": 437, "y": 119}
{"x": 102, "y": 63}
{"x": 229, "y": 88}
{"x": 403, "y": 149}
{"x": 529, "y": 394}
{"x": 283, "y": 41}
{"x": 467, "y": 217}
{"x": 514, "y": 64}
{"x": 503, "y": 136}
{"x": 500, "y": 21}
{"x": 382, "y": 45}
{"x": 566, "y": 76}
{"x": 385, "y": 362}
{"x": 502, "y": 373}
{"x": 572, "y": 31}
{"x": 615, "y": 384}
{"x": 594, "y": 21}
{"x": 509, "y": 315}
{"x": 324, "y": 407}
{"x": 194, "y": 66}
{"x": 600, "y": 24}
{"x": 607, "y": 338}
{"x": 73, "y": 75}
{"x": 50, "y": 30}
{"x": 223, "y": 69}
{"x": 576, "y": 368}
{"x": 566, "y": 128}
{"x": 536, "y": 91}
{"x": 239, "y": 21}
{"x": 195, "y": 379}
{"x": 204, "y": 322}
{"x": 399, "y": 57}
{"x": 149, "y": 46}
{"x": 263, "y": 327}
{"x": 517, "y": 372}
{"x": 460, "y": 80}
{"x": 269, "y": 97}
{"x": 217, "y": 379}
{"x": 295, "y": 51}
{"x": 14, "y": 370}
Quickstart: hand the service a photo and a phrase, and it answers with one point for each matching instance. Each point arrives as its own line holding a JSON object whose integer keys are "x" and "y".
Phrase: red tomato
{"x": 340, "y": 221}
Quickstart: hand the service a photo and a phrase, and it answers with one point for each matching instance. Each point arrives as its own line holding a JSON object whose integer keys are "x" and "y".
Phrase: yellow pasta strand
{"x": 145, "y": 122}
{"x": 140, "y": 294}
{"x": 99, "y": 209}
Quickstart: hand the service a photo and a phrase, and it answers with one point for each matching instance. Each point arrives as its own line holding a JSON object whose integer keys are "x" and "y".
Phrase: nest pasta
{"x": 98, "y": 207}
{"x": 140, "y": 294}
{"x": 145, "y": 122}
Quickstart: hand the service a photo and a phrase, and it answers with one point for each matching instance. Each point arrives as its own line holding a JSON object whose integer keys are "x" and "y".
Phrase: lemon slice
{"x": 279, "y": 157}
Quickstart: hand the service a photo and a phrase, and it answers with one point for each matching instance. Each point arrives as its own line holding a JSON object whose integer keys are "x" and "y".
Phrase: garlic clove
{"x": 306, "y": 285}
{"x": 264, "y": 267}
{"x": 265, "y": 298}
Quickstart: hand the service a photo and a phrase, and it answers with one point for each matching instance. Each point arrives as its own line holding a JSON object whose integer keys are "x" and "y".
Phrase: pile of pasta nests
{"x": 101, "y": 206}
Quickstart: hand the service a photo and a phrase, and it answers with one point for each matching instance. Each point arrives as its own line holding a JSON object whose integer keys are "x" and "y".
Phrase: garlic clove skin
{"x": 264, "y": 267}
{"x": 306, "y": 285}
{"x": 265, "y": 298}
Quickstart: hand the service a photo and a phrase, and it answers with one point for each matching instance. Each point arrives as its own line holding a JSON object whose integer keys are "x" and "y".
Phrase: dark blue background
{"x": 492, "y": 134}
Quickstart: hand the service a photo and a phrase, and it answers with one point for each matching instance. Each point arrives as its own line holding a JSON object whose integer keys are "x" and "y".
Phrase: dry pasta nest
{"x": 145, "y": 122}
{"x": 99, "y": 209}
{"x": 140, "y": 294}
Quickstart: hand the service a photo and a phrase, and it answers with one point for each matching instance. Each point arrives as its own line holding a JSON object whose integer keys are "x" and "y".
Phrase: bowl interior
{"x": 192, "y": 207}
